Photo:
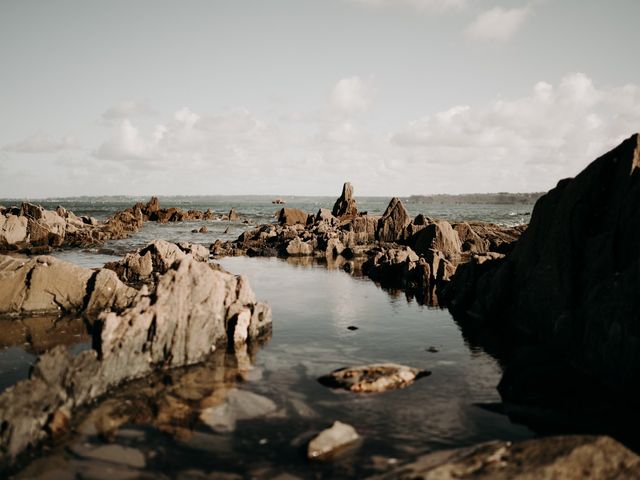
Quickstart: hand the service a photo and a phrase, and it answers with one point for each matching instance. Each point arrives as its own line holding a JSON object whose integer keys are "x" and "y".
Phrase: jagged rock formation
{"x": 32, "y": 229}
{"x": 419, "y": 256}
{"x": 345, "y": 206}
{"x": 567, "y": 457}
{"x": 292, "y": 216}
{"x": 154, "y": 259}
{"x": 393, "y": 222}
{"x": 570, "y": 284}
{"x": 193, "y": 309}
{"x": 47, "y": 285}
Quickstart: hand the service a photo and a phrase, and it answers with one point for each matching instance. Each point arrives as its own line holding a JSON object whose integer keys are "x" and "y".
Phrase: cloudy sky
{"x": 296, "y": 96}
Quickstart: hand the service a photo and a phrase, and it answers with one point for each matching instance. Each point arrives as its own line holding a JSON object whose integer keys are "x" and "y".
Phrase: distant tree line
{"x": 500, "y": 198}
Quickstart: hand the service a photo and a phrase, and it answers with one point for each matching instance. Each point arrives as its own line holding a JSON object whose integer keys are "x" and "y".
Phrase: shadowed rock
{"x": 393, "y": 222}
{"x": 345, "y": 206}
{"x": 567, "y": 457}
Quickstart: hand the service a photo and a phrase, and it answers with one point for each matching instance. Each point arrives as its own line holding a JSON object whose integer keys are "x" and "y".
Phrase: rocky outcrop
{"x": 47, "y": 285}
{"x": 32, "y": 229}
{"x": 155, "y": 259}
{"x": 193, "y": 309}
{"x": 569, "y": 285}
{"x": 419, "y": 256}
{"x": 393, "y": 222}
{"x": 566, "y": 457}
{"x": 292, "y": 216}
{"x": 345, "y": 206}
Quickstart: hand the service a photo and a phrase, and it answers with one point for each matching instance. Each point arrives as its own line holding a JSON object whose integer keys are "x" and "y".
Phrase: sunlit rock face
{"x": 193, "y": 309}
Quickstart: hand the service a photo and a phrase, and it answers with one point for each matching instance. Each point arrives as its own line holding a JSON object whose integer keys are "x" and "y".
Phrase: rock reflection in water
{"x": 115, "y": 439}
{"x": 23, "y": 339}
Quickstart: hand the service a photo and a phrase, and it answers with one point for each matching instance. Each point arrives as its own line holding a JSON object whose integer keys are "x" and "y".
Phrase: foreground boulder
{"x": 567, "y": 458}
{"x": 193, "y": 310}
{"x": 570, "y": 283}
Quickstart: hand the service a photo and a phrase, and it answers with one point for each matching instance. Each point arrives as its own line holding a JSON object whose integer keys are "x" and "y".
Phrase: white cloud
{"x": 498, "y": 24}
{"x": 516, "y": 144}
{"x": 535, "y": 140}
{"x": 352, "y": 95}
{"x": 423, "y": 5}
{"x": 42, "y": 143}
{"x": 128, "y": 109}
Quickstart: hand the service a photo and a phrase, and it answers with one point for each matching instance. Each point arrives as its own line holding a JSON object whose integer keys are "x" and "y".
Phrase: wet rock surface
{"x": 374, "y": 378}
{"x": 568, "y": 457}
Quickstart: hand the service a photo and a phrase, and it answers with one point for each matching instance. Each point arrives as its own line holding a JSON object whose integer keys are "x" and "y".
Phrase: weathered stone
{"x": 233, "y": 215}
{"x": 439, "y": 236}
{"x": 345, "y": 206}
{"x": 566, "y": 457}
{"x": 393, "y": 222}
{"x": 377, "y": 377}
{"x": 330, "y": 441}
{"x": 297, "y": 247}
{"x": 292, "y": 216}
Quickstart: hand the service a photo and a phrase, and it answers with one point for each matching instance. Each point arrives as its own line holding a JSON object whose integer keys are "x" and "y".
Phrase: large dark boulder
{"x": 571, "y": 282}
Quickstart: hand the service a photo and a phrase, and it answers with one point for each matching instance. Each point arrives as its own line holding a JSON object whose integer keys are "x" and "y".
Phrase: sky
{"x": 295, "y": 97}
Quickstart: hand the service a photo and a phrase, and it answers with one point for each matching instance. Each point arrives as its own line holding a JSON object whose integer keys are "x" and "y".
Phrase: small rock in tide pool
{"x": 226, "y": 230}
{"x": 377, "y": 377}
{"x": 352, "y": 327}
{"x": 432, "y": 350}
{"x": 238, "y": 405}
{"x": 330, "y": 441}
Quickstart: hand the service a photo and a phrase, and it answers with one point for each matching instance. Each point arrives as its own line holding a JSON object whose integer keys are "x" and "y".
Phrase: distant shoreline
{"x": 468, "y": 198}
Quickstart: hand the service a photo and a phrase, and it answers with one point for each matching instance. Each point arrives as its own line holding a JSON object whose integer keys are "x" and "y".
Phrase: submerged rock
{"x": 377, "y": 377}
{"x": 566, "y": 457}
{"x": 238, "y": 405}
{"x": 332, "y": 440}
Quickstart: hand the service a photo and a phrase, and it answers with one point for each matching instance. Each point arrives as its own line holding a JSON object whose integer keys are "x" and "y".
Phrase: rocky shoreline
{"x": 552, "y": 301}
{"x": 190, "y": 309}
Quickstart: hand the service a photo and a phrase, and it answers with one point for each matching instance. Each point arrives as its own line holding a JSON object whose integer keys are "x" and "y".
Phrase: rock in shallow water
{"x": 332, "y": 440}
{"x": 238, "y": 405}
{"x": 377, "y": 377}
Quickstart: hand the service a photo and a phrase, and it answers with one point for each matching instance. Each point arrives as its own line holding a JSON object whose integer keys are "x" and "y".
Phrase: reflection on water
{"x": 253, "y": 412}
{"x": 23, "y": 339}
